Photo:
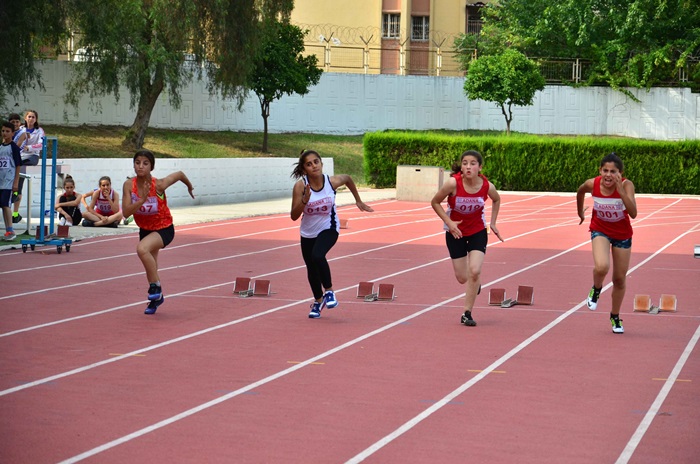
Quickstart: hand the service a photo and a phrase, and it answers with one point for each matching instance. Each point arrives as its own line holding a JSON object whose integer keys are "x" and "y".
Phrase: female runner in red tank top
{"x": 466, "y": 235}
{"x": 611, "y": 231}
{"x": 144, "y": 198}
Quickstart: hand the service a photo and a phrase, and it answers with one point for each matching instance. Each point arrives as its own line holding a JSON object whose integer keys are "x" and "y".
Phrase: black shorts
{"x": 167, "y": 234}
{"x": 460, "y": 247}
{"x": 5, "y": 198}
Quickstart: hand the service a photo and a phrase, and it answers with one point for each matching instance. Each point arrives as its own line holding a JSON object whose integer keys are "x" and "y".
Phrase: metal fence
{"x": 436, "y": 61}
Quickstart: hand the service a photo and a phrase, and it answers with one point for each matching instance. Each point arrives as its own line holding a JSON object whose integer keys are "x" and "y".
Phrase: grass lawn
{"x": 105, "y": 142}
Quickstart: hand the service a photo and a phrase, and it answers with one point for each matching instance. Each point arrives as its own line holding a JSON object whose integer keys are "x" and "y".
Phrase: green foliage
{"x": 161, "y": 45}
{"x": 506, "y": 79}
{"x": 535, "y": 163}
{"x": 28, "y": 31}
{"x": 280, "y": 68}
{"x": 629, "y": 43}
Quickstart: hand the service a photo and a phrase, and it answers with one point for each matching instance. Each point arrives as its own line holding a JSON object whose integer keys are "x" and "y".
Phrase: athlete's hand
{"x": 306, "y": 194}
{"x": 582, "y": 215}
{"x": 494, "y": 229}
{"x": 363, "y": 207}
{"x": 453, "y": 229}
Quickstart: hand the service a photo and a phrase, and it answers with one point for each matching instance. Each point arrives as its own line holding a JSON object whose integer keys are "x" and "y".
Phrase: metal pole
{"x": 28, "y": 180}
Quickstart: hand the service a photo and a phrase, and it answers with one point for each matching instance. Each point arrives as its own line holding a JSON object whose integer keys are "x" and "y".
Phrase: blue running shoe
{"x": 329, "y": 299}
{"x": 154, "y": 292}
{"x": 315, "y": 312}
{"x": 153, "y": 305}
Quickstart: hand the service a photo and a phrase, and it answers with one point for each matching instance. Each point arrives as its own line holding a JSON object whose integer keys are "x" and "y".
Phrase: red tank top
{"x": 154, "y": 214}
{"x": 609, "y": 214}
{"x": 468, "y": 207}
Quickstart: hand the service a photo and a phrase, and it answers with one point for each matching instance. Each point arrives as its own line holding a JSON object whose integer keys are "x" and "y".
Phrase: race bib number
{"x": 609, "y": 209}
{"x": 468, "y": 205}
{"x": 150, "y": 207}
{"x": 322, "y": 206}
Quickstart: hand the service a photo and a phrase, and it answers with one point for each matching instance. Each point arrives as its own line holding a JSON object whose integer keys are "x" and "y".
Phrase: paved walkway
{"x": 198, "y": 214}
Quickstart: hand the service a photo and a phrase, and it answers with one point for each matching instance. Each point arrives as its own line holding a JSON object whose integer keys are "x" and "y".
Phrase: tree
{"x": 29, "y": 31}
{"x": 161, "y": 45}
{"x": 280, "y": 68}
{"x": 628, "y": 43}
{"x": 506, "y": 79}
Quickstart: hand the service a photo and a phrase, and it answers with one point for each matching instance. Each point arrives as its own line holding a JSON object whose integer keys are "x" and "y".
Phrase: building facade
{"x": 404, "y": 37}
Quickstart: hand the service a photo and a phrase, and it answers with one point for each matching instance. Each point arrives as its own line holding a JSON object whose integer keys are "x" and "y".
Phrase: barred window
{"x": 420, "y": 27}
{"x": 391, "y": 26}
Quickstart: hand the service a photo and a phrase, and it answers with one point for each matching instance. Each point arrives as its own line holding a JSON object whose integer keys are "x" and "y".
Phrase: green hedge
{"x": 538, "y": 163}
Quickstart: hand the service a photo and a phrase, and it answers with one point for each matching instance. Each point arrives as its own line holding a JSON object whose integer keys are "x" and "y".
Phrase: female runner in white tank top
{"x": 313, "y": 198}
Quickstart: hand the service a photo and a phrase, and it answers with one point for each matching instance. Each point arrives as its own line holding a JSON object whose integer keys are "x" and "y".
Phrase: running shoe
{"x": 329, "y": 299}
{"x": 467, "y": 319}
{"x": 88, "y": 223}
{"x": 616, "y": 324}
{"x": 154, "y": 292}
{"x": 128, "y": 220}
{"x": 153, "y": 305}
{"x": 315, "y": 312}
{"x": 9, "y": 236}
{"x": 62, "y": 221}
{"x": 16, "y": 219}
{"x": 593, "y": 296}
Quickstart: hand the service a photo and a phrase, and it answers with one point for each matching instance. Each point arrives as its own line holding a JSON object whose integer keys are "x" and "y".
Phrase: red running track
{"x": 217, "y": 378}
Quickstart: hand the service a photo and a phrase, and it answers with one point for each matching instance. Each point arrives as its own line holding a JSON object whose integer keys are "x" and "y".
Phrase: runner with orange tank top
{"x": 144, "y": 198}
{"x": 611, "y": 231}
{"x": 465, "y": 224}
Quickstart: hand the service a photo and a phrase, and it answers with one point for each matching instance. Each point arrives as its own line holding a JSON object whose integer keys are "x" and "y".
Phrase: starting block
{"x": 364, "y": 289}
{"x": 241, "y": 285}
{"x": 524, "y": 296}
{"x": 642, "y": 303}
{"x": 668, "y": 303}
{"x": 261, "y": 288}
{"x": 343, "y": 223}
{"x": 696, "y": 251}
{"x": 386, "y": 292}
{"x": 497, "y": 296}
{"x": 63, "y": 231}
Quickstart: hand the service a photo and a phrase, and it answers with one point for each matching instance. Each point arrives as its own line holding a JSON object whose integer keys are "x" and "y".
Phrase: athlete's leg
{"x": 147, "y": 251}
{"x": 621, "y": 264}
{"x": 601, "y": 259}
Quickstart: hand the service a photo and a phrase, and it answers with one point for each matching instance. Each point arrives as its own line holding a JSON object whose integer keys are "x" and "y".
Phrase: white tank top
{"x": 319, "y": 212}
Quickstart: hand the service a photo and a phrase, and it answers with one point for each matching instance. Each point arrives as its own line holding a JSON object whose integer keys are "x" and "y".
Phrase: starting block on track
{"x": 386, "y": 292}
{"x": 261, "y": 288}
{"x": 668, "y": 303}
{"x": 63, "y": 231}
{"x": 343, "y": 223}
{"x": 241, "y": 285}
{"x": 642, "y": 303}
{"x": 696, "y": 251}
{"x": 524, "y": 296}
{"x": 497, "y": 296}
{"x": 364, "y": 289}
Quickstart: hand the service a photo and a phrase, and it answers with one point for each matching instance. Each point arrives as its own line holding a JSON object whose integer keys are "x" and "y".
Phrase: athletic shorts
{"x": 167, "y": 234}
{"x": 627, "y": 243}
{"x": 460, "y": 247}
{"x": 5, "y": 198}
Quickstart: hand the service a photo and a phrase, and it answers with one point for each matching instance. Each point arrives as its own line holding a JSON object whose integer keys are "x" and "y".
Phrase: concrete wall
{"x": 215, "y": 181}
{"x": 355, "y": 104}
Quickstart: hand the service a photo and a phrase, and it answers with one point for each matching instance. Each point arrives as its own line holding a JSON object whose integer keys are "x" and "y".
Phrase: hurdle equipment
{"x": 386, "y": 292}
{"x": 364, "y": 289}
{"x": 261, "y": 288}
{"x": 343, "y": 223}
{"x": 497, "y": 296}
{"x": 668, "y": 303}
{"x": 642, "y": 303}
{"x": 241, "y": 285}
{"x": 63, "y": 231}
